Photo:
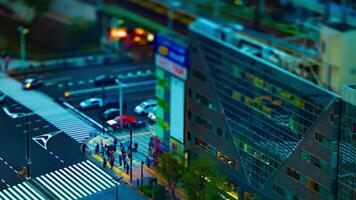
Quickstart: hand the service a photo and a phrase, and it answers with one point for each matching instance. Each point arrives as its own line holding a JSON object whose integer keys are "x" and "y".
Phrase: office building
{"x": 347, "y": 148}
{"x": 272, "y": 132}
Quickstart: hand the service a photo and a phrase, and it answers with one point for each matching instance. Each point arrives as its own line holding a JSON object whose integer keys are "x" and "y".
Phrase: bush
{"x": 147, "y": 190}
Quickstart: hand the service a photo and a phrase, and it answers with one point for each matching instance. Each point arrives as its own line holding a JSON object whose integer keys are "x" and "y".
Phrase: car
{"x": 31, "y": 83}
{"x": 144, "y": 107}
{"x": 126, "y": 121}
{"x": 152, "y": 114}
{"x": 104, "y": 80}
{"x": 91, "y": 103}
{"x": 110, "y": 113}
{"x": 2, "y": 96}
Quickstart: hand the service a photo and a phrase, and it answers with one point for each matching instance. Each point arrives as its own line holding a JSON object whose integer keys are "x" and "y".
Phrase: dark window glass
{"x": 293, "y": 173}
{"x": 199, "y": 75}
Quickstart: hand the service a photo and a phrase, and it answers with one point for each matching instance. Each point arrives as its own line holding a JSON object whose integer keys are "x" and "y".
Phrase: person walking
{"x": 97, "y": 148}
{"x": 127, "y": 168}
{"x": 112, "y": 161}
{"x": 135, "y": 147}
{"x": 84, "y": 146}
{"x": 104, "y": 162}
{"x": 120, "y": 160}
{"x": 148, "y": 161}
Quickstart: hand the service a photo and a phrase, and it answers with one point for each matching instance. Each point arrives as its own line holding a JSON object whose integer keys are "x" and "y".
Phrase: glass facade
{"x": 268, "y": 110}
{"x": 347, "y": 149}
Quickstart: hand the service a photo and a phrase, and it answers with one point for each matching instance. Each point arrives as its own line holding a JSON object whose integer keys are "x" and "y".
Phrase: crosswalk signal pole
{"x": 28, "y": 160}
{"x": 131, "y": 154}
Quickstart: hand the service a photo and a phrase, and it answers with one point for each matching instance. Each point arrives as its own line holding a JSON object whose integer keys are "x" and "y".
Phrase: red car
{"x": 126, "y": 120}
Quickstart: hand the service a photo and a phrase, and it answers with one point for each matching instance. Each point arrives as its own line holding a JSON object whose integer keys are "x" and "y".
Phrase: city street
{"x": 44, "y": 159}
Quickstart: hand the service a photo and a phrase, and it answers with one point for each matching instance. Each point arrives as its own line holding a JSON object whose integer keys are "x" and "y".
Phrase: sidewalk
{"x": 139, "y": 156}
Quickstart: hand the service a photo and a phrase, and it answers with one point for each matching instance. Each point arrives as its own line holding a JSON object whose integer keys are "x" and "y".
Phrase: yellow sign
{"x": 163, "y": 50}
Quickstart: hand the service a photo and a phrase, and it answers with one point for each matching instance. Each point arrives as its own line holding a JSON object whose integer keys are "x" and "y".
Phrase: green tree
{"x": 39, "y": 5}
{"x": 202, "y": 180}
{"x": 171, "y": 169}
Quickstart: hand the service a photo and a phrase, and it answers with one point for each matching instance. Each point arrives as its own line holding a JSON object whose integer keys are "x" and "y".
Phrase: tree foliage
{"x": 171, "y": 169}
{"x": 202, "y": 181}
{"x": 39, "y": 5}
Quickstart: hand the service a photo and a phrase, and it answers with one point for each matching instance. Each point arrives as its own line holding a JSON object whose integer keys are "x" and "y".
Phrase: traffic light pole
{"x": 131, "y": 154}
{"x": 28, "y": 160}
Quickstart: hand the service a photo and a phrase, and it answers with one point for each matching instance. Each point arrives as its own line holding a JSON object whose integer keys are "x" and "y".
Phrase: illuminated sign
{"x": 172, "y": 67}
{"x": 171, "y": 56}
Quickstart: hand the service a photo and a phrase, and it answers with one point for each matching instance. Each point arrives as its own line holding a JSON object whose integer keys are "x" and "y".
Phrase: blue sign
{"x": 171, "y": 50}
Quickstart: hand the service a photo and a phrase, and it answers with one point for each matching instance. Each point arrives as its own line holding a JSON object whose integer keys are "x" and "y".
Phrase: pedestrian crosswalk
{"x": 49, "y": 110}
{"x": 73, "y": 182}
{"x": 22, "y": 191}
{"x": 76, "y": 181}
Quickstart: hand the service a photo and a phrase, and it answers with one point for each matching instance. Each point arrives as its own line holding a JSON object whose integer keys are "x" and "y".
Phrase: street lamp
{"x": 117, "y": 183}
{"x": 23, "y": 31}
{"x": 28, "y": 159}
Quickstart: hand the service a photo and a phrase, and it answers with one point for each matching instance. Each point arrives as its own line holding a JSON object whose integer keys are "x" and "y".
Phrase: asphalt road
{"x": 61, "y": 150}
{"x": 79, "y": 79}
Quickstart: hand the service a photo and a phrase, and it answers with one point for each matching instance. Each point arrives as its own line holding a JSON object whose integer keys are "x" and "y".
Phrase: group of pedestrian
{"x": 108, "y": 154}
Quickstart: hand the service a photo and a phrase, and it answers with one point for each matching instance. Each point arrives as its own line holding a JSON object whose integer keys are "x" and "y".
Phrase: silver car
{"x": 146, "y": 106}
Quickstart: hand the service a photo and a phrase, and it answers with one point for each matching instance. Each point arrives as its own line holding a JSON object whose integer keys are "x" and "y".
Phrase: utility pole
{"x": 120, "y": 101}
{"x": 259, "y": 13}
{"x": 131, "y": 153}
{"x": 23, "y": 31}
{"x": 103, "y": 108}
{"x": 216, "y": 9}
{"x": 28, "y": 159}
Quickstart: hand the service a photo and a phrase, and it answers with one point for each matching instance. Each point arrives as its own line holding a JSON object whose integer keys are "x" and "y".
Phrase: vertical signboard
{"x": 177, "y": 109}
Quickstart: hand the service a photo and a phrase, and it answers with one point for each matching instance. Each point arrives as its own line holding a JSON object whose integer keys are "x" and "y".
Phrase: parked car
{"x": 144, "y": 107}
{"x": 110, "y": 113}
{"x": 2, "y": 96}
{"x": 31, "y": 83}
{"x": 91, "y": 103}
{"x": 126, "y": 121}
{"x": 152, "y": 114}
{"x": 104, "y": 80}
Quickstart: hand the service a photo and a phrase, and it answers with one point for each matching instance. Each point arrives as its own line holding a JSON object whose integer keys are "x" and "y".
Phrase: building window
{"x": 279, "y": 190}
{"x": 200, "y": 143}
{"x": 319, "y": 137}
{"x": 189, "y": 137}
{"x": 225, "y": 159}
{"x": 331, "y": 117}
{"x": 311, "y": 184}
{"x": 293, "y": 173}
{"x": 189, "y": 92}
{"x": 199, "y": 75}
{"x": 203, "y": 122}
{"x": 307, "y": 157}
{"x": 189, "y": 114}
{"x": 220, "y": 132}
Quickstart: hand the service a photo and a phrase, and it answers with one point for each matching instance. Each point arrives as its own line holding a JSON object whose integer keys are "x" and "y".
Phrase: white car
{"x": 152, "y": 114}
{"x": 2, "y": 96}
{"x": 146, "y": 106}
{"x": 91, "y": 103}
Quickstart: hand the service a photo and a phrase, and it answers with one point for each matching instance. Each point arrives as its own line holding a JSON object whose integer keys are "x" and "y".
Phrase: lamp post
{"x": 23, "y": 31}
{"x": 117, "y": 183}
{"x": 28, "y": 159}
{"x": 131, "y": 153}
{"x": 103, "y": 108}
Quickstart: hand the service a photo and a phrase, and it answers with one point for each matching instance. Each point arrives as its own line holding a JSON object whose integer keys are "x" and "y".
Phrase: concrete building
{"x": 338, "y": 60}
{"x": 274, "y": 134}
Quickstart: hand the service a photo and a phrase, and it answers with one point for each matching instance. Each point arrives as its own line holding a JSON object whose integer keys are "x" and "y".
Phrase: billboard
{"x": 171, "y": 56}
{"x": 177, "y": 109}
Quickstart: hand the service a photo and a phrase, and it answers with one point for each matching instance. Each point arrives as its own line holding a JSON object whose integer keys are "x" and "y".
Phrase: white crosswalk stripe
{"x": 22, "y": 191}
{"x": 49, "y": 110}
{"x": 76, "y": 181}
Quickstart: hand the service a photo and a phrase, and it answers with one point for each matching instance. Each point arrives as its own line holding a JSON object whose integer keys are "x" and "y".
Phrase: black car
{"x": 110, "y": 113}
{"x": 31, "y": 83}
{"x": 104, "y": 80}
